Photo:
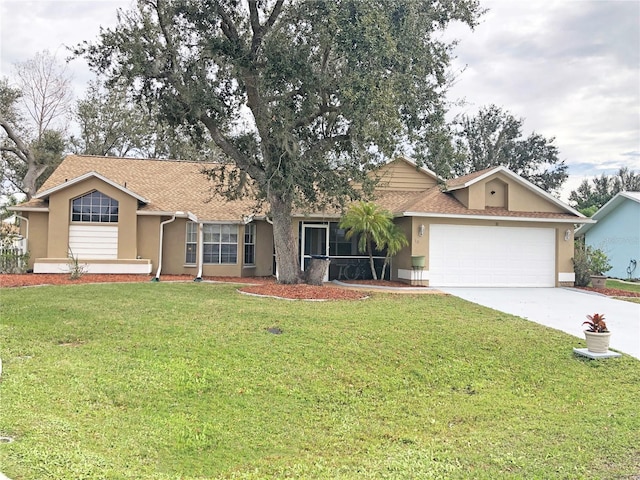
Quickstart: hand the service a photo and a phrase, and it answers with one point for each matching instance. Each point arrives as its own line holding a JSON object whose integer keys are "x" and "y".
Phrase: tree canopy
{"x": 114, "y": 124}
{"x": 591, "y": 195}
{"x": 303, "y": 97}
{"x": 490, "y": 138}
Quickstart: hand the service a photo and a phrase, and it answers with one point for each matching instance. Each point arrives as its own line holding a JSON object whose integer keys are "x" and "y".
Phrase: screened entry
{"x": 347, "y": 263}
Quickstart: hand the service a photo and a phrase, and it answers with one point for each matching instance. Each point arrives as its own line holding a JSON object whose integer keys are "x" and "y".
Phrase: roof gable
{"x": 166, "y": 186}
{"x": 473, "y": 178}
{"x": 609, "y": 207}
{"x": 43, "y": 194}
{"x": 402, "y": 174}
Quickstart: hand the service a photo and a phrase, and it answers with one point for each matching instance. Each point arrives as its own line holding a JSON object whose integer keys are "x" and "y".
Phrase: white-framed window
{"x": 250, "y": 244}
{"x": 220, "y": 243}
{"x": 191, "y": 248}
{"x": 94, "y": 207}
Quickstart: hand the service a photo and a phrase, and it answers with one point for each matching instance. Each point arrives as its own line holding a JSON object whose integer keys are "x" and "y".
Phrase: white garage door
{"x": 465, "y": 256}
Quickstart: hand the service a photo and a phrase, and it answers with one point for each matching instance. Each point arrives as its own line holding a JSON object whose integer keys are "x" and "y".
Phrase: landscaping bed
{"x": 265, "y": 286}
{"x": 613, "y": 292}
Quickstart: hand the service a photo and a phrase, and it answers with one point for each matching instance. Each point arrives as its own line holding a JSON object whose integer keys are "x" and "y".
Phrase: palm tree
{"x": 370, "y": 221}
{"x": 394, "y": 241}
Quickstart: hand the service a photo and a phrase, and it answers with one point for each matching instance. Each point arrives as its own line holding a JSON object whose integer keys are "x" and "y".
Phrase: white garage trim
{"x": 464, "y": 255}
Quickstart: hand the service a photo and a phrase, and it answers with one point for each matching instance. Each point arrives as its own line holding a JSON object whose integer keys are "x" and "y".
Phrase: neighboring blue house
{"x": 617, "y": 233}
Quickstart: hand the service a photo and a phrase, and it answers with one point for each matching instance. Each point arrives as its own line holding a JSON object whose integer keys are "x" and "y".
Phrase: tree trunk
{"x": 384, "y": 267}
{"x": 34, "y": 172}
{"x": 371, "y": 264}
{"x": 285, "y": 242}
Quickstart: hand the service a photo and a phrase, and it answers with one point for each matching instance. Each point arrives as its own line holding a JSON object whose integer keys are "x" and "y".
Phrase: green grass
{"x": 182, "y": 381}
{"x": 629, "y": 287}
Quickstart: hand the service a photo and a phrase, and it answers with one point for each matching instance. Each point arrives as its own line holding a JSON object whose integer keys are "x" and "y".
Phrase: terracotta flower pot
{"x": 597, "y": 342}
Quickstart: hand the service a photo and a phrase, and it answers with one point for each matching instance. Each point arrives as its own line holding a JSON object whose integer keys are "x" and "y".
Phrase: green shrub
{"x": 588, "y": 261}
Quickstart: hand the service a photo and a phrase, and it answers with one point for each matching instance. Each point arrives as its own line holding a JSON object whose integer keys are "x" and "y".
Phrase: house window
{"x": 191, "y": 243}
{"x": 94, "y": 207}
{"x": 250, "y": 244}
{"x": 220, "y": 243}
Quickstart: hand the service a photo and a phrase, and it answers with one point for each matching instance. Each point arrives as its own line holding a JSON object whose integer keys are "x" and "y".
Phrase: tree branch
{"x": 318, "y": 113}
{"x": 24, "y": 152}
{"x": 230, "y": 150}
{"x": 259, "y": 31}
{"x": 228, "y": 27}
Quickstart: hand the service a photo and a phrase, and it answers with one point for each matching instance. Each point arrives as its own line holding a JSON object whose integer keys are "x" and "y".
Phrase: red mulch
{"x": 612, "y": 292}
{"x": 380, "y": 283}
{"x": 259, "y": 285}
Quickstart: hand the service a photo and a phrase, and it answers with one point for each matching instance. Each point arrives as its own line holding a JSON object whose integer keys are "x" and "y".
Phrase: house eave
{"x": 494, "y": 218}
{"x": 18, "y": 208}
{"x": 159, "y": 213}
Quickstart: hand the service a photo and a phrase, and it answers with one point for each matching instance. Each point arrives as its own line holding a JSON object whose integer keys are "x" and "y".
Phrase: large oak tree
{"x": 302, "y": 97}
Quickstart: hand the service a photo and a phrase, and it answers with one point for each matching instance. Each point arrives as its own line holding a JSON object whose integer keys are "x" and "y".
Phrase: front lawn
{"x": 627, "y": 286}
{"x": 168, "y": 381}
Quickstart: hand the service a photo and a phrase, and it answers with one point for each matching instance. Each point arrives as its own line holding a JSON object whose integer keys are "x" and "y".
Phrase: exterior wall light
{"x": 567, "y": 235}
{"x": 421, "y": 230}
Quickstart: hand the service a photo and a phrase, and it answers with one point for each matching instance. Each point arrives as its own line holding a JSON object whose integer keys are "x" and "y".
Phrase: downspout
{"x": 26, "y": 236}
{"x": 270, "y": 222}
{"x": 162, "y": 224}
{"x": 200, "y": 252}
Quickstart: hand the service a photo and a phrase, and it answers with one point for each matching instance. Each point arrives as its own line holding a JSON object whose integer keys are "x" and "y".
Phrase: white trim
{"x": 416, "y": 275}
{"x": 566, "y": 277}
{"x": 522, "y": 181}
{"x": 155, "y": 214}
{"x": 115, "y": 268}
{"x": 84, "y": 177}
{"x": 178, "y": 214}
{"x": 498, "y": 218}
{"x": 327, "y": 229}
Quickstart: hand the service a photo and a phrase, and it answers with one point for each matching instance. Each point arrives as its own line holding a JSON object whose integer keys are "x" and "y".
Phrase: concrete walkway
{"x": 563, "y": 309}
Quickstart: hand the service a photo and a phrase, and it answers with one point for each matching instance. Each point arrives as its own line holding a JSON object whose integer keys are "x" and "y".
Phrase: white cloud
{"x": 570, "y": 68}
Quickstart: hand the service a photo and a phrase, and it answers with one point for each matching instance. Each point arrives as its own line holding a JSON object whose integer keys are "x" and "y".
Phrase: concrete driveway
{"x": 563, "y": 309}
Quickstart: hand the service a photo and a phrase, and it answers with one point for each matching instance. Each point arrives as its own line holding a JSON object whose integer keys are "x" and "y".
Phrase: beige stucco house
{"x": 123, "y": 215}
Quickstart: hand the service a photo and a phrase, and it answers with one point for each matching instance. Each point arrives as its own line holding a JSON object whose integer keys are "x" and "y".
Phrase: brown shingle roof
{"x": 460, "y": 181}
{"x": 435, "y": 201}
{"x": 170, "y": 186}
{"x": 173, "y": 186}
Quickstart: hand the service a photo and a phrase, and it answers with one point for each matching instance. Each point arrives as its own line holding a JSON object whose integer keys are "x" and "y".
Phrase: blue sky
{"x": 570, "y": 68}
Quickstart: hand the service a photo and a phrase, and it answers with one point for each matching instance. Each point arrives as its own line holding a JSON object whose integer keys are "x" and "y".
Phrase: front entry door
{"x": 315, "y": 241}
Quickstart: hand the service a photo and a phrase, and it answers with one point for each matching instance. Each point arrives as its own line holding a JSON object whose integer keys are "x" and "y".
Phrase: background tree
{"x": 494, "y": 137}
{"x": 302, "y": 97}
{"x": 371, "y": 224}
{"x": 591, "y": 195}
{"x": 33, "y": 117}
{"x": 112, "y": 123}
